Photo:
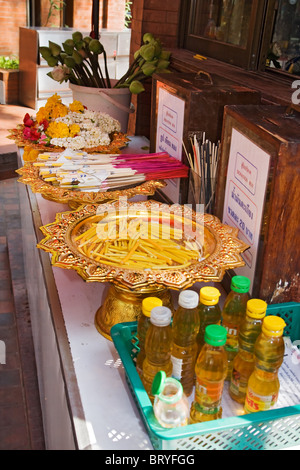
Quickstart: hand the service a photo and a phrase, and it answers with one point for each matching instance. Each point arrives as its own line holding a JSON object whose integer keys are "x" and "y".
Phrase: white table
{"x": 86, "y": 402}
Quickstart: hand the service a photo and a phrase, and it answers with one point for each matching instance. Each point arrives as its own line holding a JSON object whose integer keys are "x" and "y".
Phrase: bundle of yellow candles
{"x": 142, "y": 246}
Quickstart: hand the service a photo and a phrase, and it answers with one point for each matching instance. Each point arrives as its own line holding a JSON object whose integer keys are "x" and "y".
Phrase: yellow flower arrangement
{"x": 58, "y": 129}
{"x": 53, "y": 109}
{"x": 76, "y": 107}
{"x": 70, "y": 126}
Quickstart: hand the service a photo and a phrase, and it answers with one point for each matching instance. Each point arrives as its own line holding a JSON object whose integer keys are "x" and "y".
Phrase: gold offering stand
{"x": 75, "y": 198}
{"x": 220, "y": 249}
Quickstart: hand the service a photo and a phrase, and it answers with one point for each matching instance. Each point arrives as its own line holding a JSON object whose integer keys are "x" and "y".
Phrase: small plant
{"x": 9, "y": 62}
{"x": 128, "y": 15}
{"x": 78, "y": 62}
{"x": 55, "y": 5}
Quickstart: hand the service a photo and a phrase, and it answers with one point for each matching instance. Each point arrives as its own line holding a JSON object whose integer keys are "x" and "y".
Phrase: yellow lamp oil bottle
{"x": 142, "y": 327}
{"x": 233, "y": 313}
{"x": 209, "y": 311}
{"x": 211, "y": 371}
{"x": 263, "y": 385}
{"x": 158, "y": 346}
{"x": 185, "y": 328}
{"x": 243, "y": 363}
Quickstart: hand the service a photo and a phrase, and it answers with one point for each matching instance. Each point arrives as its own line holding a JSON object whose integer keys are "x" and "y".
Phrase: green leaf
{"x": 54, "y": 48}
{"x": 45, "y": 52}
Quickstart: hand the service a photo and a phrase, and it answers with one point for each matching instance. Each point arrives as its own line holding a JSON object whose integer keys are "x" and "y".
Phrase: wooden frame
{"x": 247, "y": 57}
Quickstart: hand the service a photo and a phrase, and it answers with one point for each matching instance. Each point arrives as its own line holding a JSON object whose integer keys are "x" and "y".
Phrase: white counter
{"x": 85, "y": 398}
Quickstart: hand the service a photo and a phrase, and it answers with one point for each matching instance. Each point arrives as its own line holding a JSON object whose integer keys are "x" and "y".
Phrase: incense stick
{"x": 204, "y": 164}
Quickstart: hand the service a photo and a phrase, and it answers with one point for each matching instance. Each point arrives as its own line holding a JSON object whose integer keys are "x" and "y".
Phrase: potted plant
{"x": 77, "y": 62}
{"x": 9, "y": 75}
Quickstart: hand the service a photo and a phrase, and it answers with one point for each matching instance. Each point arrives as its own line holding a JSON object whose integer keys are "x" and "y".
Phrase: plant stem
{"x": 128, "y": 73}
{"x": 92, "y": 77}
{"x": 106, "y": 70}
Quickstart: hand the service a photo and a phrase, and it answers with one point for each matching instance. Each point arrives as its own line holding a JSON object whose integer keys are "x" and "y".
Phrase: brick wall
{"x": 115, "y": 14}
{"x": 13, "y": 15}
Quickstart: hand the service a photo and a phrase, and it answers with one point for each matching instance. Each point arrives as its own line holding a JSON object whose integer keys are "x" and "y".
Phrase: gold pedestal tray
{"x": 220, "y": 249}
{"x": 76, "y": 198}
{"x": 122, "y": 305}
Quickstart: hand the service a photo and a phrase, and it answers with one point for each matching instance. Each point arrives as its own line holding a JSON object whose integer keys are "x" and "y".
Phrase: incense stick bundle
{"x": 204, "y": 165}
{"x": 104, "y": 172}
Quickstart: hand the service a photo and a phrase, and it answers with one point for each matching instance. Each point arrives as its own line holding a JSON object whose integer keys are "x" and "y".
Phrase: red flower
{"x": 26, "y": 132}
{"x": 28, "y": 122}
{"x": 31, "y": 133}
{"x": 44, "y": 123}
{"x": 35, "y": 135}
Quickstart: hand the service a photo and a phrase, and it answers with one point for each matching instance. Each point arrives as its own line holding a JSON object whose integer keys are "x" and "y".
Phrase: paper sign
{"x": 247, "y": 176}
{"x": 169, "y": 133}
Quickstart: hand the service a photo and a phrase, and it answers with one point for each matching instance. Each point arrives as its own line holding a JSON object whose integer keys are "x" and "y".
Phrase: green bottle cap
{"x": 240, "y": 284}
{"x": 215, "y": 335}
{"x": 160, "y": 381}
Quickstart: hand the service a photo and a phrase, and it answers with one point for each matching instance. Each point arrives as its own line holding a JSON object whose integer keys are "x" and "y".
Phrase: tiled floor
{"x": 20, "y": 413}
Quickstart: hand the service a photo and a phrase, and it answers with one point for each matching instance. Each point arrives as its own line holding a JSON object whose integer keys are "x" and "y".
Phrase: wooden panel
{"x": 205, "y": 96}
{"x": 277, "y": 133}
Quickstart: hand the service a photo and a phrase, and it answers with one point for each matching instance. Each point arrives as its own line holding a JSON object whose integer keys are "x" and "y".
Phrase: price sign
{"x": 170, "y": 122}
{"x": 247, "y": 176}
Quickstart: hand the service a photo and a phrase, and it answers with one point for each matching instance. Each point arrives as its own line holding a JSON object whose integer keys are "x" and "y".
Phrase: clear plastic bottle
{"x": 185, "y": 328}
{"x": 158, "y": 346}
{"x": 243, "y": 363}
{"x": 233, "y": 314}
{"x": 171, "y": 407}
{"x": 142, "y": 327}
{"x": 263, "y": 385}
{"x": 209, "y": 311}
{"x": 211, "y": 371}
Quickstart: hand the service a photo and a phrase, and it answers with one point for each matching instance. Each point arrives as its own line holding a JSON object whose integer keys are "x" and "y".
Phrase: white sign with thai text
{"x": 169, "y": 133}
{"x": 247, "y": 176}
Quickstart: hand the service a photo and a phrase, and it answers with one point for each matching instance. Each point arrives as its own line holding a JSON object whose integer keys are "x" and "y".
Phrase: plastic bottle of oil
{"x": 142, "y": 327}
{"x": 209, "y": 311}
{"x": 158, "y": 346}
{"x": 211, "y": 371}
{"x": 185, "y": 328}
{"x": 263, "y": 385}
{"x": 243, "y": 363}
{"x": 233, "y": 314}
{"x": 171, "y": 407}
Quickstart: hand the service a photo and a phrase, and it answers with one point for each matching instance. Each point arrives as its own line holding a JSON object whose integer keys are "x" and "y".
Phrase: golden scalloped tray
{"x": 118, "y": 141}
{"x": 220, "y": 249}
{"x": 30, "y": 175}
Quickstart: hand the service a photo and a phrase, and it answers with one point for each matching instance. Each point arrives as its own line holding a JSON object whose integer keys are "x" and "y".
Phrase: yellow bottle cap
{"x": 149, "y": 303}
{"x": 256, "y": 308}
{"x": 209, "y": 295}
{"x": 273, "y": 326}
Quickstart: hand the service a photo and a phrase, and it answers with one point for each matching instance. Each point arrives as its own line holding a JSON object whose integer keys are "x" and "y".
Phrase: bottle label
{"x": 232, "y": 343}
{"x": 238, "y": 383}
{"x": 177, "y": 367}
{"x": 255, "y": 402}
{"x": 212, "y": 390}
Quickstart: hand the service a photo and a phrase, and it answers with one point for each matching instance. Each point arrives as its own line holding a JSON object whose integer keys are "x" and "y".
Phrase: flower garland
{"x": 70, "y": 126}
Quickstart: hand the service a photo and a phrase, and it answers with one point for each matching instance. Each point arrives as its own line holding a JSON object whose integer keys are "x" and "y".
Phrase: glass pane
{"x": 222, "y": 20}
{"x": 284, "y": 52}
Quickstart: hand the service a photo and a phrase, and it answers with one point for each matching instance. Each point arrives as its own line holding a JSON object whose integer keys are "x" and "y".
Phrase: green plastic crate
{"x": 266, "y": 430}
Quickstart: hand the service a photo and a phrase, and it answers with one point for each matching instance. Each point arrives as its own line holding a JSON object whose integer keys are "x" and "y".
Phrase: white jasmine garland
{"x": 95, "y": 128}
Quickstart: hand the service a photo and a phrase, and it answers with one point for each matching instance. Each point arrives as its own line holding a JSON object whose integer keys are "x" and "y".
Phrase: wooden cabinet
{"x": 258, "y": 191}
{"x": 198, "y": 100}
